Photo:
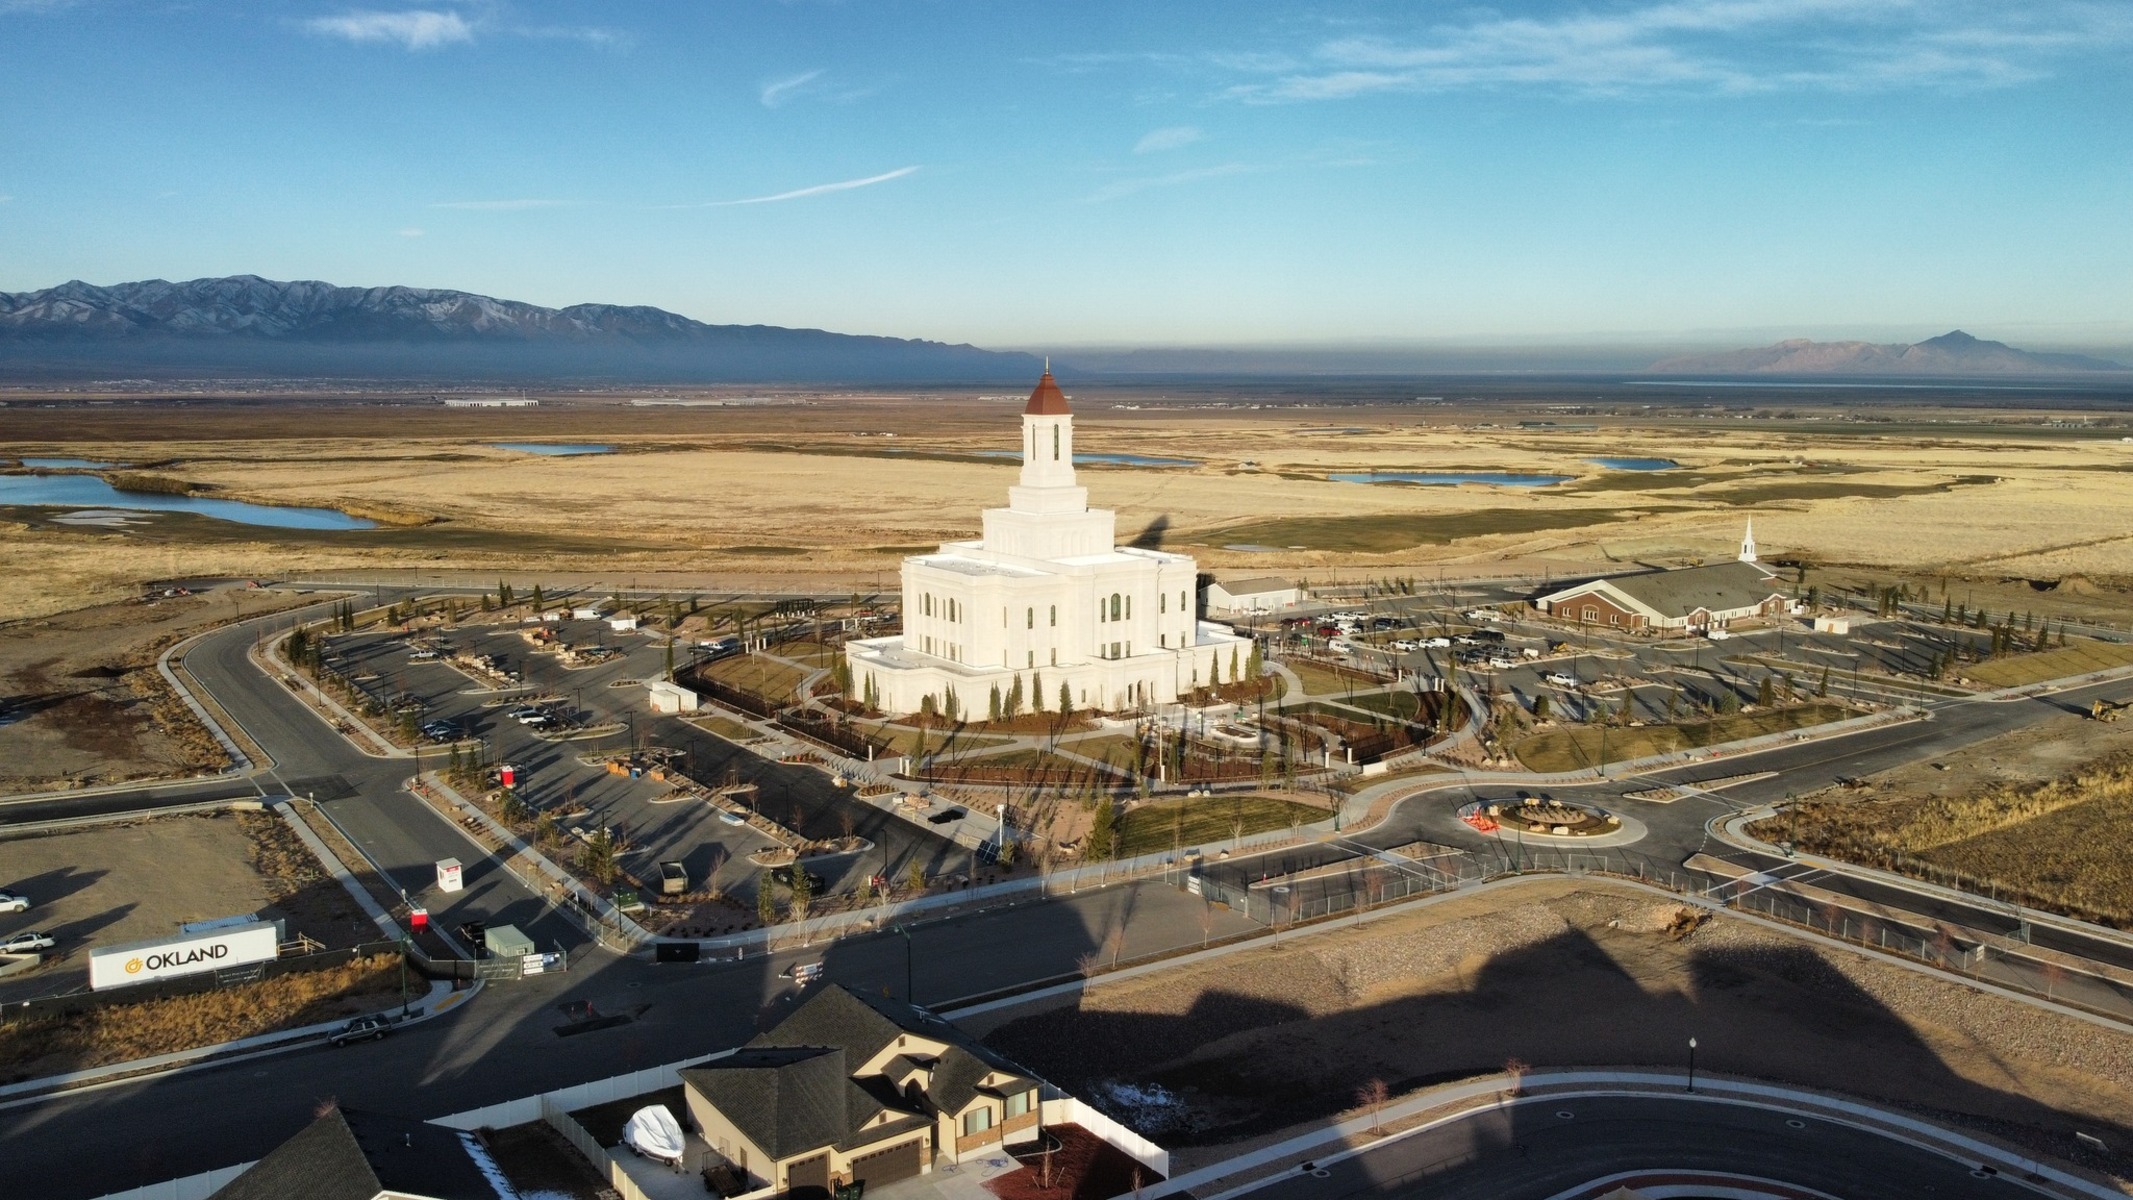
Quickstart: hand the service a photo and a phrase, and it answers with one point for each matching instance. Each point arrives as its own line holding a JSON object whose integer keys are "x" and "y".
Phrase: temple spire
{"x": 1747, "y": 543}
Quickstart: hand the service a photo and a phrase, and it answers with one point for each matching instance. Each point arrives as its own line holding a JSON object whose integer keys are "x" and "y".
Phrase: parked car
{"x": 1436, "y": 643}
{"x": 1559, "y": 679}
{"x": 362, "y": 1029}
{"x": 1405, "y": 645}
{"x": 732, "y": 818}
{"x": 784, "y": 877}
{"x": 14, "y": 902}
{"x": 1717, "y": 635}
{"x": 29, "y": 941}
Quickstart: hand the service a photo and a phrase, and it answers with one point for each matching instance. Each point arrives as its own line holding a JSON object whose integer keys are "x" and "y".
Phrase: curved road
{"x": 89, "y": 1143}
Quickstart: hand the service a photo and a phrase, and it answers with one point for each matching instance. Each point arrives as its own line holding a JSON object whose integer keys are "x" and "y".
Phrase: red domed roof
{"x": 1047, "y": 400}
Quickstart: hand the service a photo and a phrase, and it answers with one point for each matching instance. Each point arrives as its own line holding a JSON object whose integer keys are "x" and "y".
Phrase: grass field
{"x": 1400, "y": 704}
{"x": 731, "y": 730}
{"x": 904, "y": 739}
{"x": 2058, "y": 845}
{"x": 1210, "y": 822}
{"x": 758, "y": 673}
{"x": 1324, "y": 681}
{"x": 1383, "y": 534}
{"x": 2078, "y": 657}
{"x": 1580, "y": 748}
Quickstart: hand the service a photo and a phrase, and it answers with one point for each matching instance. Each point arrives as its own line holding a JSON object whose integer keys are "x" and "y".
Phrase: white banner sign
{"x": 139, "y": 962}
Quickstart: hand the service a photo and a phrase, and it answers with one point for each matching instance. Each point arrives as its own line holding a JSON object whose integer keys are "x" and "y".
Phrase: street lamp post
{"x": 909, "y": 997}
{"x": 1692, "y": 1064}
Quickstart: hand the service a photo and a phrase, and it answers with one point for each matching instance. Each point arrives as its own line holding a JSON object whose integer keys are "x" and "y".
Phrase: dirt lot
{"x": 1560, "y": 973}
{"x": 122, "y": 883}
{"x": 2042, "y": 815}
{"x": 81, "y": 701}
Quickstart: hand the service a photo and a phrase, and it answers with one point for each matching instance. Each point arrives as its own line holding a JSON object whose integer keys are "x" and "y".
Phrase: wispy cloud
{"x": 1157, "y": 140}
{"x": 779, "y": 91}
{"x": 819, "y": 189}
{"x": 591, "y": 35}
{"x": 1706, "y": 46}
{"x": 415, "y": 29}
{"x": 503, "y": 205}
{"x": 1142, "y": 183}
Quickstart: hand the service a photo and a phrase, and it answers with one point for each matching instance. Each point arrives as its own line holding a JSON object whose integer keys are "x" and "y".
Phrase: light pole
{"x": 909, "y": 998}
{"x": 1692, "y": 1064}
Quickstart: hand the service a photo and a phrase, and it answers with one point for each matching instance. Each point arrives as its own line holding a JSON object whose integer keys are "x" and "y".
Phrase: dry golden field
{"x": 817, "y": 492}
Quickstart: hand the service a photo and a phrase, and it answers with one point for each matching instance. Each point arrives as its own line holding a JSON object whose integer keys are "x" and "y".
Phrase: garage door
{"x": 885, "y": 1167}
{"x": 809, "y": 1179}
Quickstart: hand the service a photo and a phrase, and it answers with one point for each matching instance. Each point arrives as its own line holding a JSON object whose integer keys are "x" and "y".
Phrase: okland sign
{"x": 139, "y": 962}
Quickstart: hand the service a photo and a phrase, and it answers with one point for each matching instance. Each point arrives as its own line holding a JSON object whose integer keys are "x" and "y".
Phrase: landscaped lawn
{"x": 903, "y": 739}
{"x": 1579, "y": 748}
{"x": 1324, "y": 681}
{"x": 1207, "y": 822}
{"x": 757, "y": 673}
{"x": 2078, "y": 657}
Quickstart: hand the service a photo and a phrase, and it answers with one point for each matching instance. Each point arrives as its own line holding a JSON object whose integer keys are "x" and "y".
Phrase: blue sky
{"x": 1052, "y": 175}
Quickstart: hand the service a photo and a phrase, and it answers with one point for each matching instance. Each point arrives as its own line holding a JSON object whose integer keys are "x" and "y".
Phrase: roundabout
{"x": 1548, "y": 820}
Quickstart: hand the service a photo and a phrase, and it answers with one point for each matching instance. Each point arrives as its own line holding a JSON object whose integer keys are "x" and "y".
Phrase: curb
{"x": 440, "y": 1000}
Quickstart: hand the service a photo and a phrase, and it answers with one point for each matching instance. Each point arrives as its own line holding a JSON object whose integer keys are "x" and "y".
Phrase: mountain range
{"x": 1953, "y": 353}
{"x": 245, "y": 325}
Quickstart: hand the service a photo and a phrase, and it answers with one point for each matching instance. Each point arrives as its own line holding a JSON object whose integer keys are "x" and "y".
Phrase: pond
{"x": 1636, "y": 464}
{"x": 88, "y": 491}
{"x": 1447, "y": 478}
{"x": 67, "y": 464}
{"x": 555, "y": 449}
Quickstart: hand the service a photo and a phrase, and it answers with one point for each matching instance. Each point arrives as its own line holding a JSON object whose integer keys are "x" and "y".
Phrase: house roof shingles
{"x": 353, "y": 1155}
{"x": 790, "y": 1092}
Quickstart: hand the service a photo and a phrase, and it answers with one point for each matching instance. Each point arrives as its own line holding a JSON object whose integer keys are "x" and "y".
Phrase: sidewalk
{"x": 1436, "y": 1108}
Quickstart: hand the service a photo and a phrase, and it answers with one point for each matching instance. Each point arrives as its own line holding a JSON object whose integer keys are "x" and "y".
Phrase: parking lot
{"x": 1646, "y": 679}
{"x": 477, "y": 709}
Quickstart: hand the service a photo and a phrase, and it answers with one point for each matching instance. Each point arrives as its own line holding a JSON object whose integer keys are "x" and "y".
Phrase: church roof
{"x": 1047, "y": 400}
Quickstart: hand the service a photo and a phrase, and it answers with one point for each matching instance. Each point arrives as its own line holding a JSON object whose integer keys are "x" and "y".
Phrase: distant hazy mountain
{"x": 245, "y": 325}
{"x": 1955, "y": 353}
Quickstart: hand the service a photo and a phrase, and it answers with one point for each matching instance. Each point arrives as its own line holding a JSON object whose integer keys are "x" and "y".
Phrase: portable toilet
{"x": 450, "y": 877}
{"x": 505, "y": 941}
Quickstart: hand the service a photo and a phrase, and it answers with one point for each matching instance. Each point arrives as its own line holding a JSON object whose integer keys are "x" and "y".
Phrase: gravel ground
{"x": 1559, "y": 973}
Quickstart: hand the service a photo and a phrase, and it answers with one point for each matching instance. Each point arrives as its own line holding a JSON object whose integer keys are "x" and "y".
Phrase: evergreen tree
{"x": 1014, "y": 697}
{"x": 503, "y": 592}
{"x": 670, "y": 660}
{"x": 1822, "y": 687}
{"x": 1036, "y": 691}
{"x": 1234, "y": 677}
{"x": 538, "y": 602}
{"x": 803, "y": 890}
{"x": 1947, "y": 611}
{"x": 993, "y": 704}
{"x": 1541, "y": 707}
{"x": 1103, "y": 831}
{"x": 1766, "y": 693}
{"x": 1066, "y": 700}
{"x": 766, "y": 900}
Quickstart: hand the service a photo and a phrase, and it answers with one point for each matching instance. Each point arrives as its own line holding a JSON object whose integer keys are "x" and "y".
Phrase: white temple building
{"x": 1045, "y": 599}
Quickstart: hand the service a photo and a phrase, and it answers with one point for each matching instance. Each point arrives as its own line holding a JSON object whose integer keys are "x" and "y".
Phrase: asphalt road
{"x": 1546, "y": 1148}
{"x": 514, "y": 1040}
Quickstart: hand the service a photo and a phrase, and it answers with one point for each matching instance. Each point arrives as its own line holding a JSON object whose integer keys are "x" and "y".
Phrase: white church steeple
{"x": 1047, "y": 437}
{"x": 1747, "y": 543}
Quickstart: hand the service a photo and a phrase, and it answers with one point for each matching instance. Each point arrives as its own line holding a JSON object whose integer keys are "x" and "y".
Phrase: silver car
{"x": 29, "y": 941}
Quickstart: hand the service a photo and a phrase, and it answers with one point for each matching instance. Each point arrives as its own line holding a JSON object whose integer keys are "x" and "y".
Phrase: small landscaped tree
{"x": 1103, "y": 831}
{"x": 766, "y": 899}
{"x": 803, "y": 891}
{"x": 1066, "y": 701}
